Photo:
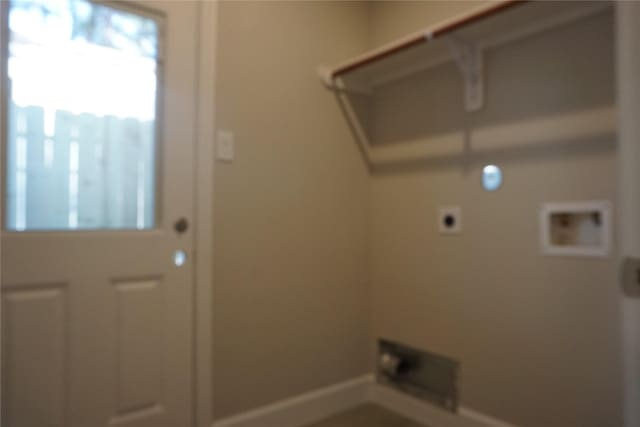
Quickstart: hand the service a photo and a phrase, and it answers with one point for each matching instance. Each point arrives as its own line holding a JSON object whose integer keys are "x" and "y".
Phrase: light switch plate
{"x": 631, "y": 277}
{"x": 225, "y": 149}
{"x": 450, "y": 219}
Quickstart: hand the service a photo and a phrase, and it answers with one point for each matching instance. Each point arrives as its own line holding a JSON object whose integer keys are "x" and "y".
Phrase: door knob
{"x": 181, "y": 225}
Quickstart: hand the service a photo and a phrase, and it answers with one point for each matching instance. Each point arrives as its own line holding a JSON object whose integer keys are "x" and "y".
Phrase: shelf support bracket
{"x": 469, "y": 58}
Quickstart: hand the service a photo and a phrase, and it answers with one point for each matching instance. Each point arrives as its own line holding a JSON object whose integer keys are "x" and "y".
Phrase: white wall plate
{"x": 576, "y": 229}
{"x": 225, "y": 149}
{"x": 450, "y": 219}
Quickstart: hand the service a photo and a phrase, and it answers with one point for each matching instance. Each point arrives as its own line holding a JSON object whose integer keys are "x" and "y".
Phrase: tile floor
{"x": 368, "y": 415}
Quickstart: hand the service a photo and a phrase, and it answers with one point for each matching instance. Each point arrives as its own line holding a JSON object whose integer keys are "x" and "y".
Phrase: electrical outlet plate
{"x": 631, "y": 277}
{"x": 450, "y": 219}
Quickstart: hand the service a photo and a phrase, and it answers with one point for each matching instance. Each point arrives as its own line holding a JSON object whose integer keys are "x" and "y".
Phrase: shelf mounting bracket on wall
{"x": 469, "y": 58}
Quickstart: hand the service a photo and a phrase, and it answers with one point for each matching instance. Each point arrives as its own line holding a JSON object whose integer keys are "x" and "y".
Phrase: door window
{"x": 81, "y": 117}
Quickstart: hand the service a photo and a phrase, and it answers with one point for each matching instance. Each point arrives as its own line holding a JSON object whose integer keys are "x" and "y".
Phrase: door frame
{"x": 203, "y": 234}
{"x": 628, "y": 98}
{"x": 4, "y": 54}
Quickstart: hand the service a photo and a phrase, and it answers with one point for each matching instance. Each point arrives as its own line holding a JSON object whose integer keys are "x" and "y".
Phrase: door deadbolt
{"x": 181, "y": 225}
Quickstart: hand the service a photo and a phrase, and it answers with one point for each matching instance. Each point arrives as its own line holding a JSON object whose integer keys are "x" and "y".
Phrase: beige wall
{"x": 301, "y": 229}
{"x": 537, "y": 337}
{"x": 390, "y": 20}
{"x": 290, "y": 298}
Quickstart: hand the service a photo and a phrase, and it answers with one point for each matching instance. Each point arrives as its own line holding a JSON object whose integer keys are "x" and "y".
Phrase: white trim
{"x": 482, "y": 418}
{"x": 548, "y": 209}
{"x": 3, "y": 99}
{"x": 422, "y": 412}
{"x": 203, "y": 221}
{"x": 319, "y": 404}
{"x": 306, "y": 408}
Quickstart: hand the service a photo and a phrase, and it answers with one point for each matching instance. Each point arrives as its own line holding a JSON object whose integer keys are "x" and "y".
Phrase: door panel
{"x": 97, "y": 325}
{"x": 38, "y": 312}
{"x": 139, "y": 314}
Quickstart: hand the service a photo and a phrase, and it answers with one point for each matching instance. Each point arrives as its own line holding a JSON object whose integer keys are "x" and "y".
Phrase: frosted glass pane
{"x": 81, "y": 117}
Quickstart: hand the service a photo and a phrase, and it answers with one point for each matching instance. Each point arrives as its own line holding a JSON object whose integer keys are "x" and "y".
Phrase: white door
{"x": 98, "y": 147}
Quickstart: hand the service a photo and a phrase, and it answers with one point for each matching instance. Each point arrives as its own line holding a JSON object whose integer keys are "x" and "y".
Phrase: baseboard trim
{"x": 423, "y": 412}
{"x": 306, "y": 408}
{"x": 482, "y": 418}
{"x": 319, "y": 404}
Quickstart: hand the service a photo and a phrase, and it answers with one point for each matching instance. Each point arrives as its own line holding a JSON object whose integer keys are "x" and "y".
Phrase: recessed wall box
{"x": 576, "y": 229}
{"x": 418, "y": 373}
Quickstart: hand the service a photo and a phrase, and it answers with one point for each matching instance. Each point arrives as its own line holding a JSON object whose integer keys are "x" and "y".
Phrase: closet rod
{"x": 423, "y": 37}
